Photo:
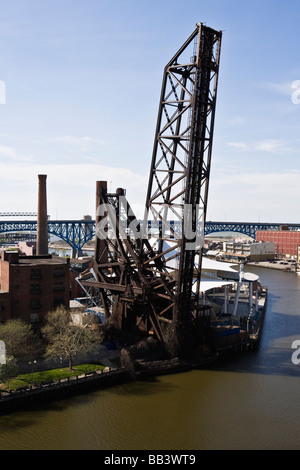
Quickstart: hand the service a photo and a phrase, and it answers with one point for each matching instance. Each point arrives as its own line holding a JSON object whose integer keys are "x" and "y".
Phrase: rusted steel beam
{"x": 136, "y": 282}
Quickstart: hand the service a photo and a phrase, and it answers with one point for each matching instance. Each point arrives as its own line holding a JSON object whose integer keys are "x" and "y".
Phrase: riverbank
{"x": 229, "y": 339}
{"x": 282, "y": 265}
{"x": 64, "y": 250}
{"x": 39, "y": 394}
{"x": 20, "y": 399}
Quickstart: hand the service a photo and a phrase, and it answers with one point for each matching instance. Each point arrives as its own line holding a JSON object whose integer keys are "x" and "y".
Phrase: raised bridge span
{"x": 78, "y": 232}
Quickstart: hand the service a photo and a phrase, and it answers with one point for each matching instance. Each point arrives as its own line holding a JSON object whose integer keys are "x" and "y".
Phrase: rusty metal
{"x": 140, "y": 287}
{"x": 180, "y": 170}
{"x": 130, "y": 290}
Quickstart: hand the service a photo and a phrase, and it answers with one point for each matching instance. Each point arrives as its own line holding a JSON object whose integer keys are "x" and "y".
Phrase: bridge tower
{"x": 153, "y": 288}
{"x": 180, "y": 169}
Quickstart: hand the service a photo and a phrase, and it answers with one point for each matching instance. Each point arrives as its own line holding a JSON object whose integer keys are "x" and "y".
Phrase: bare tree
{"x": 65, "y": 339}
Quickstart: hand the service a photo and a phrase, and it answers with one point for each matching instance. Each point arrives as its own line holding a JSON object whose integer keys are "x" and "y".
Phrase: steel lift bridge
{"x": 152, "y": 289}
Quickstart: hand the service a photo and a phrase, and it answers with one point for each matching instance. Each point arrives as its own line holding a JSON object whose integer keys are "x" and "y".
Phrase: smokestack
{"x": 101, "y": 255}
{"x": 42, "y": 222}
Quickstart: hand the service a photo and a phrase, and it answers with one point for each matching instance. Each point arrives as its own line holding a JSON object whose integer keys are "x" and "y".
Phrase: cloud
{"x": 268, "y": 183}
{"x": 11, "y": 154}
{"x": 260, "y": 182}
{"x": 239, "y": 145}
{"x": 268, "y": 145}
{"x": 70, "y": 187}
{"x": 237, "y": 120}
{"x": 83, "y": 144}
{"x": 73, "y": 140}
{"x": 67, "y": 139}
{"x": 274, "y": 146}
{"x": 279, "y": 88}
{"x": 254, "y": 195}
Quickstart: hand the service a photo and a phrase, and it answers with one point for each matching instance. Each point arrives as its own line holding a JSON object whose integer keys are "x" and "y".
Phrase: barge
{"x": 238, "y": 302}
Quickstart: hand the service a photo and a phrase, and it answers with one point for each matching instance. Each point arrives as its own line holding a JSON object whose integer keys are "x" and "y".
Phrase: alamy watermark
{"x": 119, "y": 222}
{"x": 2, "y": 353}
{"x": 296, "y": 354}
{"x": 296, "y": 94}
{"x": 2, "y": 92}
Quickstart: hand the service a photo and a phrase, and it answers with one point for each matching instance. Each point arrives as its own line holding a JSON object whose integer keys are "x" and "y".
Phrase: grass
{"x": 38, "y": 377}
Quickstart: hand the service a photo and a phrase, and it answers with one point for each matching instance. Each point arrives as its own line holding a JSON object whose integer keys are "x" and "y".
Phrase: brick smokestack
{"x": 42, "y": 221}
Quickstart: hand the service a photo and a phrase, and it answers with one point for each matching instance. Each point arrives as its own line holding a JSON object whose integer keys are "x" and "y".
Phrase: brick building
{"x": 286, "y": 241}
{"x": 31, "y": 286}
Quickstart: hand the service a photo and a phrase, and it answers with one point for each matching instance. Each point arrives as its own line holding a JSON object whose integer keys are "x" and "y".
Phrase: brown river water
{"x": 249, "y": 402}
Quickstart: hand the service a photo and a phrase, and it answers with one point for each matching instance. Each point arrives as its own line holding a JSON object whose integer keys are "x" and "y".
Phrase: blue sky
{"x": 83, "y": 80}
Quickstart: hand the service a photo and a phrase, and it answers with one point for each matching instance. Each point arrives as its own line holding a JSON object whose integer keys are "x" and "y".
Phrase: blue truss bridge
{"x": 76, "y": 233}
{"x": 246, "y": 228}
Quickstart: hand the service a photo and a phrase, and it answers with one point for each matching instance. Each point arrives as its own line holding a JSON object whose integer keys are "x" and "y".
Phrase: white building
{"x": 252, "y": 251}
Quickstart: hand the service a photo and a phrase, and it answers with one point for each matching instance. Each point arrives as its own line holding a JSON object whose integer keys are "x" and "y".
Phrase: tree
{"x": 65, "y": 339}
{"x": 20, "y": 340}
{"x": 8, "y": 370}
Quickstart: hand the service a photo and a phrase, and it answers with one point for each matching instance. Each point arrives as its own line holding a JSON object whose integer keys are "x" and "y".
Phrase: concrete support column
{"x": 250, "y": 295}
{"x": 226, "y": 300}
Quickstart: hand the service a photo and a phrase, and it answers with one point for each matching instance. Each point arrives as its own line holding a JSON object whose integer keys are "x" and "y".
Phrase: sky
{"x": 80, "y": 83}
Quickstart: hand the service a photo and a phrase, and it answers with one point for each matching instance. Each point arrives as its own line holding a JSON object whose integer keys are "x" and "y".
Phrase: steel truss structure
{"x": 179, "y": 175}
{"x": 75, "y": 232}
{"x": 141, "y": 288}
{"x": 131, "y": 292}
{"x": 78, "y": 232}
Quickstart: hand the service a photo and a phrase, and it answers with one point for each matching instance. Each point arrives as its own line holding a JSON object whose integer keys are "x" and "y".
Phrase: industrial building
{"x": 31, "y": 286}
{"x": 247, "y": 252}
{"x": 33, "y": 282}
{"x": 286, "y": 241}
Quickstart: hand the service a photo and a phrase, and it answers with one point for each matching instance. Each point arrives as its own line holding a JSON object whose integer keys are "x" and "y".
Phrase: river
{"x": 251, "y": 402}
